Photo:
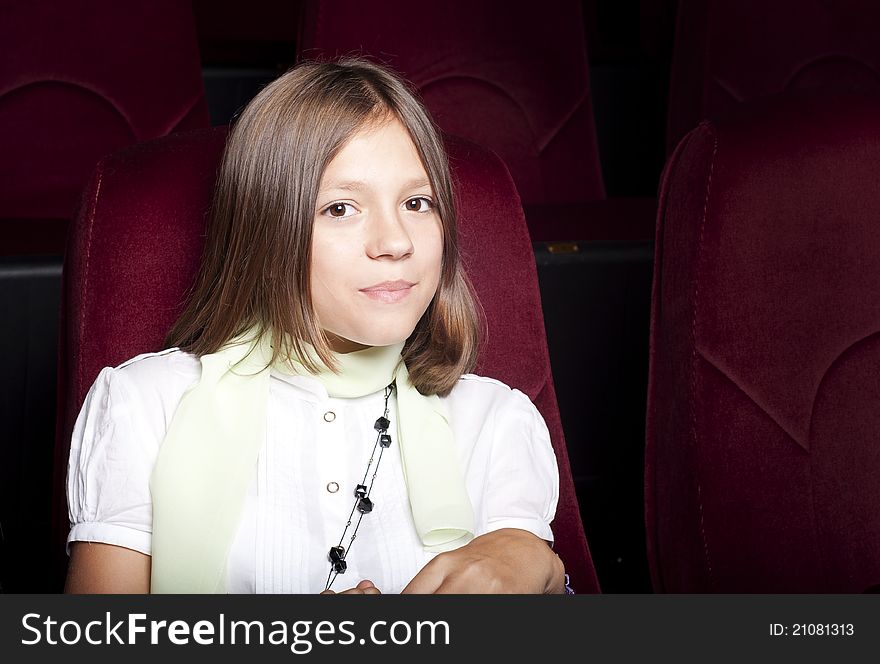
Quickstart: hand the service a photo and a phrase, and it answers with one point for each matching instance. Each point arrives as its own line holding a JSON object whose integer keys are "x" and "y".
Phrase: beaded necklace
{"x": 362, "y": 502}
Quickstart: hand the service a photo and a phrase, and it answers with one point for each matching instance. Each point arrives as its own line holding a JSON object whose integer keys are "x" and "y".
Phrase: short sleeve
{"x": 111, "y": 459}
{"x": 522, "y": 487}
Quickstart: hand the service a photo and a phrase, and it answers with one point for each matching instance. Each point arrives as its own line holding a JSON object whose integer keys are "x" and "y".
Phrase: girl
{"x": 314, "y": 417}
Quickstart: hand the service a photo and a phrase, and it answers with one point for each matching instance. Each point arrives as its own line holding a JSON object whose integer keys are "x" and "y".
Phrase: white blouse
{"x": 294, "y": 511}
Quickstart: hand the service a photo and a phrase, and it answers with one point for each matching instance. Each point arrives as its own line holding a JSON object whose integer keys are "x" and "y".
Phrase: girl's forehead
{"x": 376, "y": 154}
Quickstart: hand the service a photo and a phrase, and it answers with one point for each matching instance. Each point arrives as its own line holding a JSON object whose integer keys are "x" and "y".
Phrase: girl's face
{"x": 377, "y": 242}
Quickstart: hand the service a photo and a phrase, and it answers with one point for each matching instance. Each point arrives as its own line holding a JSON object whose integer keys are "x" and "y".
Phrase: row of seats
{"x": 551, "y": 141}
{"x": 503, "y": 75}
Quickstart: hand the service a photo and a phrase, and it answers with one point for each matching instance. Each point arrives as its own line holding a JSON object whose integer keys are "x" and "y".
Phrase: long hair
{"x": 255, "y": 271}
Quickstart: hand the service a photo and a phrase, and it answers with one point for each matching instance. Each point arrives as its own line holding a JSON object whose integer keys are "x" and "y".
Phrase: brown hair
{"x": 256, "y": 264}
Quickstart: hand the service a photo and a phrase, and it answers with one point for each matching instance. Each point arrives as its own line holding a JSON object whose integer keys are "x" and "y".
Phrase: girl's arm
{"x": 105, "y": 568}
{"x": 520, "y": 489}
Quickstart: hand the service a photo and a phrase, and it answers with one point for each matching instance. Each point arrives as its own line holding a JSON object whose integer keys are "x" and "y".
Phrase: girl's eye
{"x": 419, "y": 204}
{"x": 339, "y": 210}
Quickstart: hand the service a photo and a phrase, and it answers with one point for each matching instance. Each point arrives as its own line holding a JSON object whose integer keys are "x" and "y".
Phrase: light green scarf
{"x": 208, "y": 458}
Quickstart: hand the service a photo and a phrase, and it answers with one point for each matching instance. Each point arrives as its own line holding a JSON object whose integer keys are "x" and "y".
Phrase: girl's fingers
{"x": 365, "y": 587}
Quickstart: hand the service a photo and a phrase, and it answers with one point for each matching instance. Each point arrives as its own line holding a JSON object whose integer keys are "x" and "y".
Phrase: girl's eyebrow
{"x": 346, "y": 185}
{"x": 417, "y": 183}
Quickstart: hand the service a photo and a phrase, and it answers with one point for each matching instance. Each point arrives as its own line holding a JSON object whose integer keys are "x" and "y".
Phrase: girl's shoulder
{"x": 494, "y": 416}
{"x": 156, "y": 379}
{"x": 483, "y": 395}
{"x": 160, "y": 363}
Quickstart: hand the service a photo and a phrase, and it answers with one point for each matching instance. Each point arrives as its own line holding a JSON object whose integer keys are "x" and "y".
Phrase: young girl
{"x": 313, "y": 426}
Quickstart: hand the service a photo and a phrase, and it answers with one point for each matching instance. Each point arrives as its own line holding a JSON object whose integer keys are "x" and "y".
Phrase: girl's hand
{"x": 509, "y": 560}
{"x": 365, "y": 587}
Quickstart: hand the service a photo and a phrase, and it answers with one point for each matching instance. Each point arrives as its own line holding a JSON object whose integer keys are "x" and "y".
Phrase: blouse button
{"x": 329, "y": 416}
{"x": 332, "y": 487}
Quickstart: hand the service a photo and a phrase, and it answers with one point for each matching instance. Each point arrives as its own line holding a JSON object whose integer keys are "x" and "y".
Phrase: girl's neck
{"x": 342, "y": 345}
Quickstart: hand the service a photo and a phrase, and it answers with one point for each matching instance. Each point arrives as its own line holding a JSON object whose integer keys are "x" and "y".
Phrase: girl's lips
{"x": 399, "y": 284}
{"x": 389, "y": 291}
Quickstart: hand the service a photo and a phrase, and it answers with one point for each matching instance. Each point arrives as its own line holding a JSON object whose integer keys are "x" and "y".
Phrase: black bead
{"x": 336, "y": 553}
{"x": 385, "y": 440}
{"x": 339, "y": 566}
{"x": 382, "y": 424}
{"x": 360, "y": 491}
{"x": 365, "y": 505}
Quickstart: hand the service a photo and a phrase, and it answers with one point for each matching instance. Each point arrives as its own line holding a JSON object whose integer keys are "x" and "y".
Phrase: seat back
{"x": 498, "y": 73}
{"x": 763, "y": 418}
{"x": 136, "y": 247}
{"x": 85, "y": 80}
{"x": 730, "y": 51}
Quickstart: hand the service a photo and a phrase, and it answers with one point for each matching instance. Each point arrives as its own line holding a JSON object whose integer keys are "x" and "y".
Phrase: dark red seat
{"x": 730, "y": 51}
{"x": 764, "y": 397}
{"x": 137, "y": 243}
{"x": 78, "y": 81}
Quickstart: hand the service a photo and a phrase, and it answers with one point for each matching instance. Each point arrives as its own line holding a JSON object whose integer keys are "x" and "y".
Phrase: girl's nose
{"x": 388, "y": 237}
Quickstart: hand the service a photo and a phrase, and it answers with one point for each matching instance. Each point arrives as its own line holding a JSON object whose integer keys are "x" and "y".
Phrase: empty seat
{"x": 730, "y": 51}
{"x": 81, "y": 80}
{"x": 763, "y": 418}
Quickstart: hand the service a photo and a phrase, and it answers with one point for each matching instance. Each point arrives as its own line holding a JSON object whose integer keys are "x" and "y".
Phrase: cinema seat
{"x": 82, "y": 80}
{"x": 730, "y": 51}
{"x": 500, "y": 74}
{"x": 123, "y": 289}
{"x": 763, "y": 420}
{"x": 78, "y": 80}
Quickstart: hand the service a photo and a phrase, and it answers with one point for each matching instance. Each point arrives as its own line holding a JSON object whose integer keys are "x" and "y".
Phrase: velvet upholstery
{"x": 764, "y": 393}
{"x": 134, "y": 251}
{"x": 498, "y": 73}
{"x": 730, "y": 51}
{"x": 78, "y": 81}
